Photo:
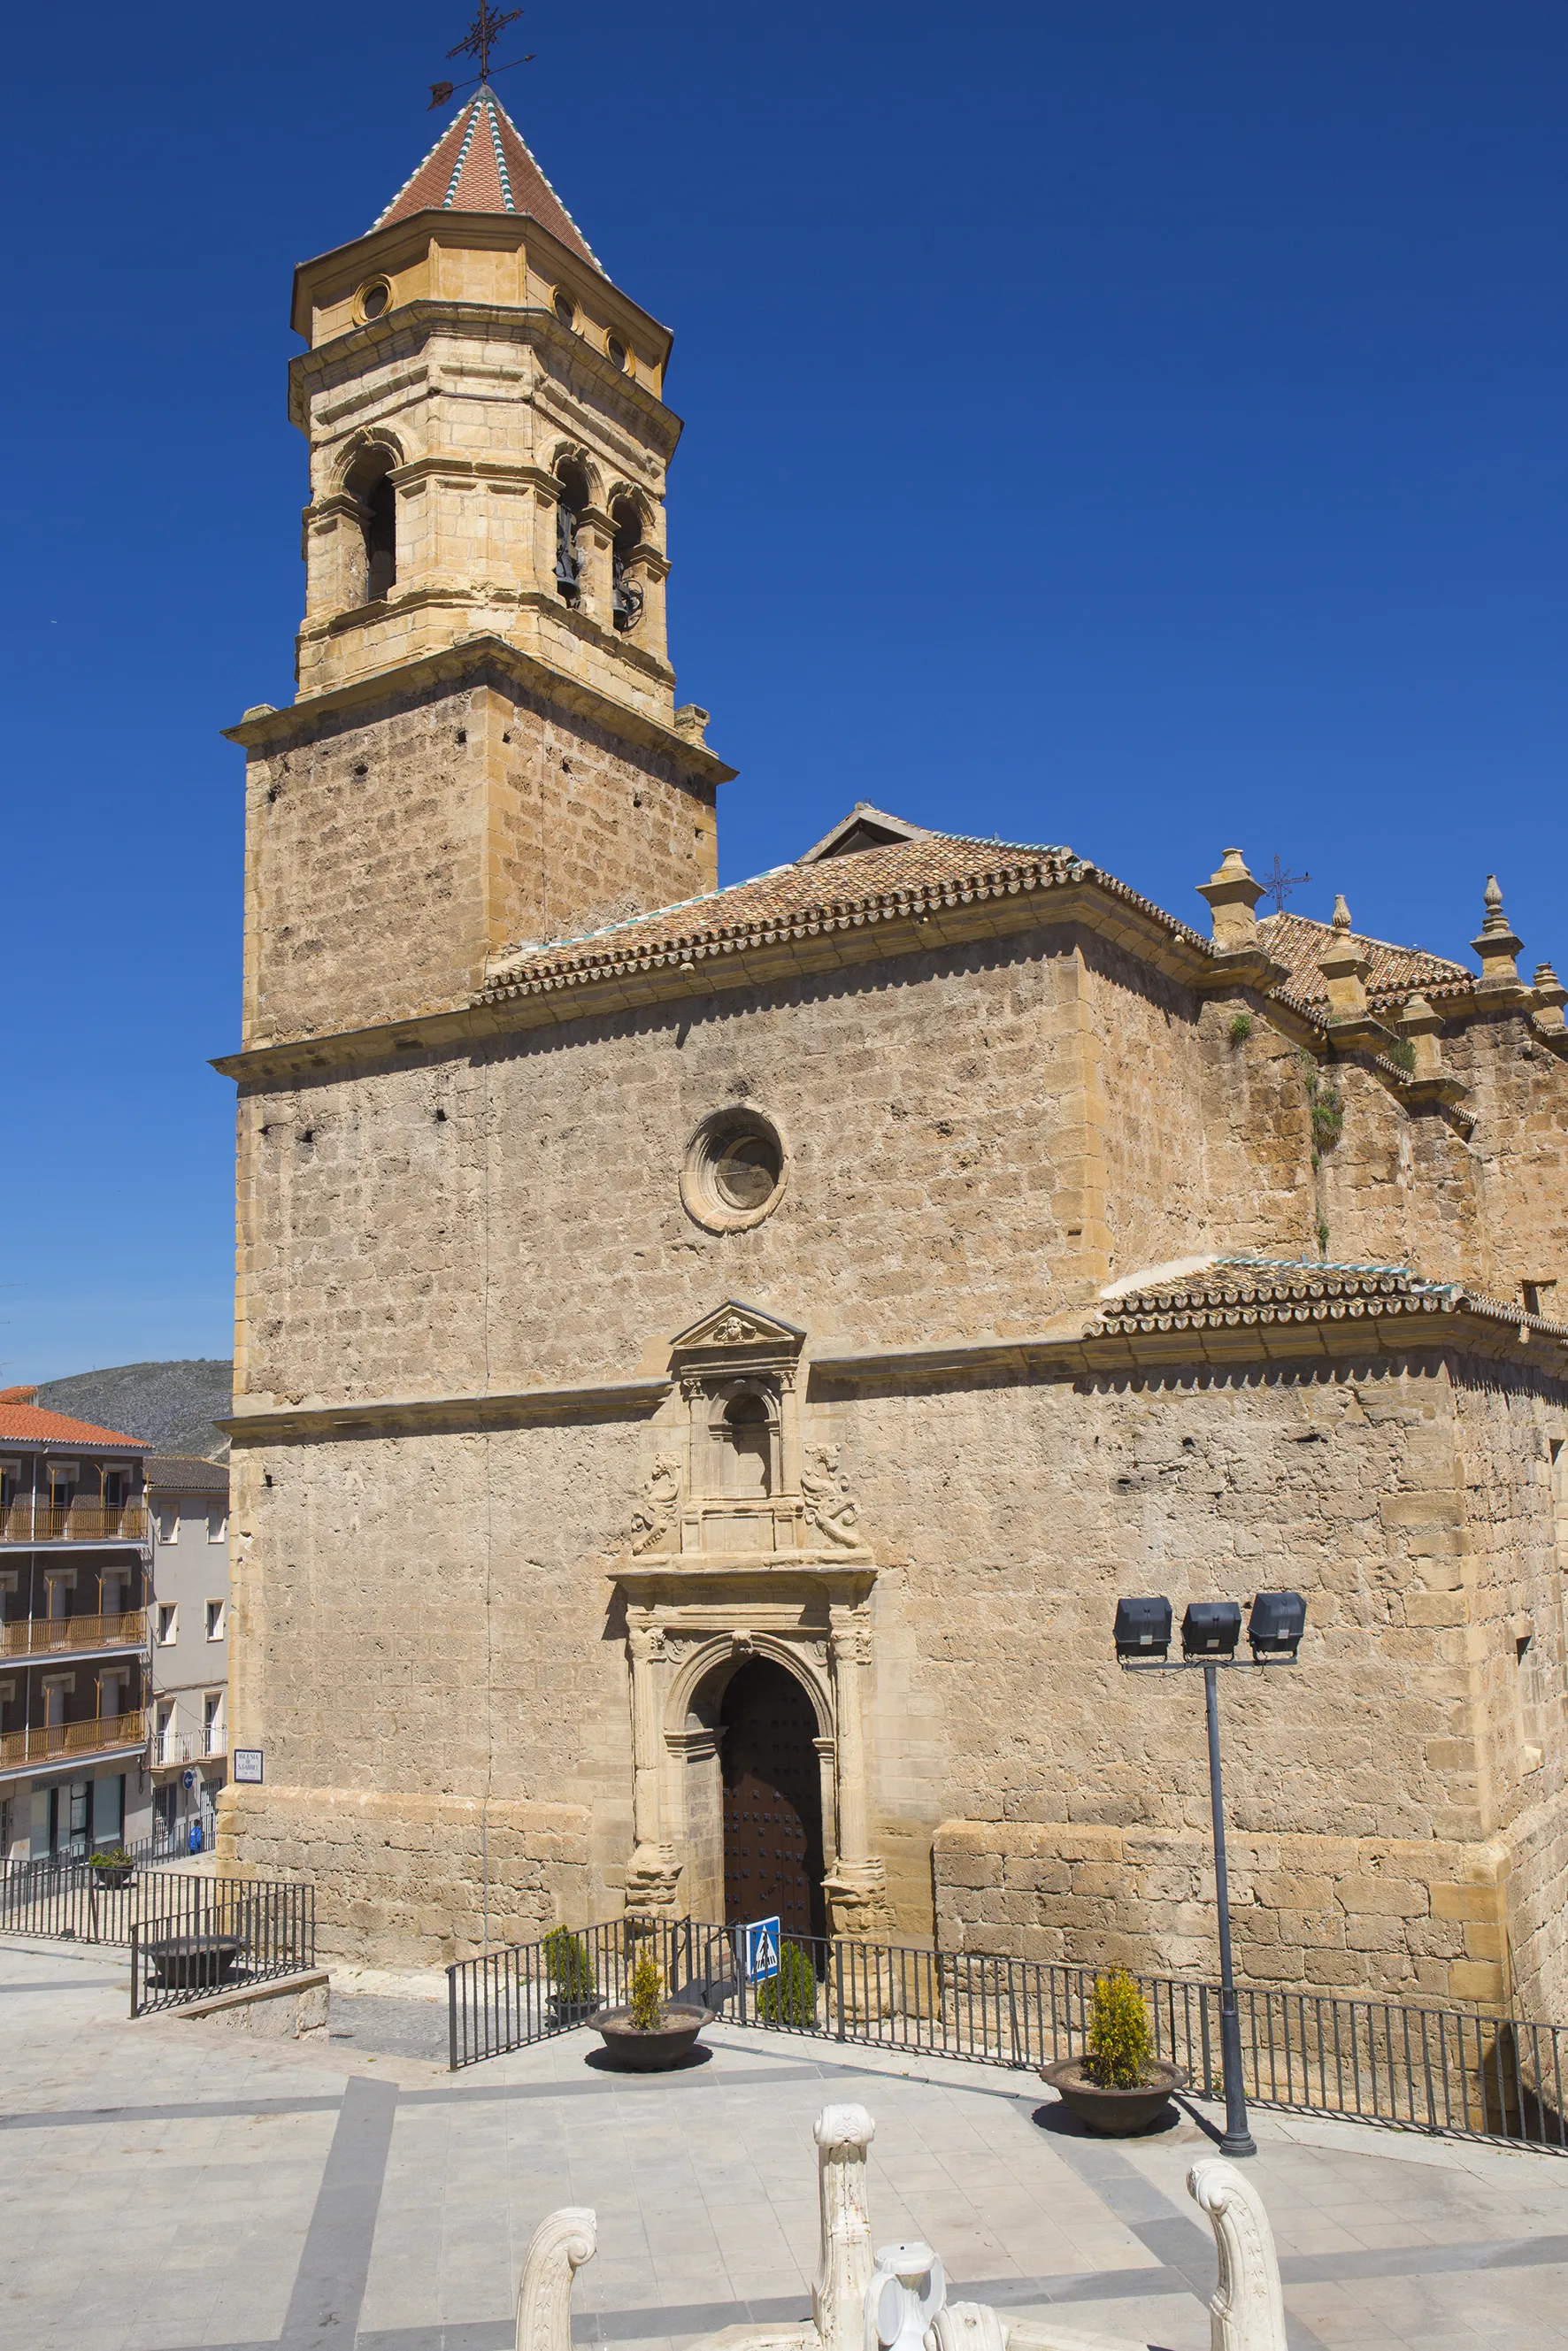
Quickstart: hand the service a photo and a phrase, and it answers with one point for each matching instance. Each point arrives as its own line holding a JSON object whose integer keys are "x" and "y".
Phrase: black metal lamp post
{"x": 1211, "y": 1630}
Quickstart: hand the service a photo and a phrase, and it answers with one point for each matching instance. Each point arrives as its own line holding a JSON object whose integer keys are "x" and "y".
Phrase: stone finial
{"x": 1421, "y": 1027}
{"x": 1496, "y": 943}
{"x": 691, "y": 720}
{"x": 1345, "y": 969}
{"x": 1233, "y": 897}
{"x": 1551, "y": 995}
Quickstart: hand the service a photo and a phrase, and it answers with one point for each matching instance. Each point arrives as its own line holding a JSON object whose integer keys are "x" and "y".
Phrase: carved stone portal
{"x": 743, "y": 1544}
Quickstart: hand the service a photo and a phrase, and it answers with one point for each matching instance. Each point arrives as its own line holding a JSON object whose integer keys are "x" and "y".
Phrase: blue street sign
{"x": 187, "y": 1779}
{"x": 760, "y": 1950}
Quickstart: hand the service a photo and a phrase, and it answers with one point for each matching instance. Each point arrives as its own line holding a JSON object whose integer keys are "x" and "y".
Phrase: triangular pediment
{"x": 737, "y": 1329}
{"x": 864, "y": 828}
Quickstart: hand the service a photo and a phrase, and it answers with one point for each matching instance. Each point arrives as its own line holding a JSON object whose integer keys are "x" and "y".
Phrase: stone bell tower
{"x": 485, "y": 746}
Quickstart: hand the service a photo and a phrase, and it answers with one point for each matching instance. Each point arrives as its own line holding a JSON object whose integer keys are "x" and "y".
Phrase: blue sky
{"x": 1135, "y": 426}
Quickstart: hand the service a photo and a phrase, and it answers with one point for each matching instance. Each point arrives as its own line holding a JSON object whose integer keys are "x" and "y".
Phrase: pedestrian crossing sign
{"x": 760, "y": 1950}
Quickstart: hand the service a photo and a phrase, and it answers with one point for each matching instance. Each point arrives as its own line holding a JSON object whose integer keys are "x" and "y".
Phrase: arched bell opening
{"x": 368, "y": 483}
{"x": 758, "y": 1780}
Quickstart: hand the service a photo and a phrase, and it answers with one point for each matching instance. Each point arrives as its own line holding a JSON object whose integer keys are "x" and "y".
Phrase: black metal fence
{"x": 213, "y": 1935}
{"x": 1427, "y": 2069}
{"x": 167, "y": 1843}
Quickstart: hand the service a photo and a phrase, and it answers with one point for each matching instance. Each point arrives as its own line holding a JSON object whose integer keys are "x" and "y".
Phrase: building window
{"x": 566, "y": 309}
{"x": 165, "y": 1735}
{"x": 369, "y": 484}
{"x": 168, "y": 1523}
{"x": 570, "y": 503}
{"x": 214, "y": 1620}
{"x": 627, "y": 599}
{"x": 62, "y": 1486}
{"x": 734, "y": 1172}
{"x": 168, "y": 1617}
{"x": 10, "y": 1483}
{"x": 116, "y": 1489}
{"x": 217, "y": 1522}
{"x": 213, "y": 1722}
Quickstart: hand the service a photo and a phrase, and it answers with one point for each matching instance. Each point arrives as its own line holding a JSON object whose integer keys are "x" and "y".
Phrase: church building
{"x": 709, "y": 1362}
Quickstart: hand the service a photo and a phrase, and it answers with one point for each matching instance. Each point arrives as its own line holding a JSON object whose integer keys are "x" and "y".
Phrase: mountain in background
{"x": 170, "y": 1406}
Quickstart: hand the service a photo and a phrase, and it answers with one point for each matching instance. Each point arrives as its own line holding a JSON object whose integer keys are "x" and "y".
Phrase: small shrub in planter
{"x": 1120, "y": 2045}
{"x": 791, "y": 1996}
{"x": 1118, "y": 2085}
{"x": 643, "y": 2008}
{"x": 570, "y": 1967}
{"x": 113, "y": 1868}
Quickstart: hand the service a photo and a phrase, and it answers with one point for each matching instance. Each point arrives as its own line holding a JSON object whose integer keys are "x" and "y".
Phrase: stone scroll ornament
{"x": 557, "y": 2251}
{"x": 831, "y": 1507}
{"x": 655, "y": 1513}
{"x": 895, "y": 2300}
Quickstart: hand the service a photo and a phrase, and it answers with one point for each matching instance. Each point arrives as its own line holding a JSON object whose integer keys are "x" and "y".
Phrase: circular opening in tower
{"x": 616, "y": 349}
{"x": 566, "y": 309}
{"x": 374, "y": 299}
{"x": 734, "y": 1170}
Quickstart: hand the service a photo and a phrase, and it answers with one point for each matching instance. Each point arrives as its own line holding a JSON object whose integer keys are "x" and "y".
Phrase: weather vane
{"x": 1278, "y": 885}
{"x": 477, "y": 42}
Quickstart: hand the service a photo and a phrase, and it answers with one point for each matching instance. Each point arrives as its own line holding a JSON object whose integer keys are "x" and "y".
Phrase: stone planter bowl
{"x": 1114, "y": 2113}
{"x": 655, "y": 2052}
{"x": 185, "y": 1962}
{"x": 115, "y": 1874}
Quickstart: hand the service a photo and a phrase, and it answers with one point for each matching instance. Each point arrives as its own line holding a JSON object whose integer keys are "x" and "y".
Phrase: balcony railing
{"x": 49, "y": 1637}
{"x": 29, "y": 1519}
{"x": 189, "y": 1746}
{"x": 46, "y": 1743}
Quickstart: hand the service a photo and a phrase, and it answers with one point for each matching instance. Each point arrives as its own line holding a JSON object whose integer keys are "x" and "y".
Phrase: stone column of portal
{"x": 652, "y": 1872}
{"x": 857, "y": 1890}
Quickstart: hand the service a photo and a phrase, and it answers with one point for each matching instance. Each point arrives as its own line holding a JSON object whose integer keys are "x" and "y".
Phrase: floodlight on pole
{"x": 1210, "y": 1633}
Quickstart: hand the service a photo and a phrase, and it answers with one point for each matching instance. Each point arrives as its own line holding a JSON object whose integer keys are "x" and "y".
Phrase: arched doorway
{"x": 772, "y": 1801}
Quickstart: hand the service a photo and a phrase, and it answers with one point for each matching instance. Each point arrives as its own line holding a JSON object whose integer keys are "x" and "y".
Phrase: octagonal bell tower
{"x": 485, "y": 746}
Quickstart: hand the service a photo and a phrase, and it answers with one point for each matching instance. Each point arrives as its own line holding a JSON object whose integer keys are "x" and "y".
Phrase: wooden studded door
{"x": 772, "y": 1801}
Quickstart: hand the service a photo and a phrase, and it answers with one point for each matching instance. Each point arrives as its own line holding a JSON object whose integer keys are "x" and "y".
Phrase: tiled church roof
{"x": 925, "y": 875}
{"x": 1298, "y": 942}
{"x": 1239, "y": 1292}
{"x": 482, "y": 164}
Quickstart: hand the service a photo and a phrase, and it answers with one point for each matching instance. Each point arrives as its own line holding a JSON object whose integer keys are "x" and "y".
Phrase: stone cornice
{"x": 589, "y": 1400}
{"x": 279, "y": 730}
{"x": 405, "y": 330}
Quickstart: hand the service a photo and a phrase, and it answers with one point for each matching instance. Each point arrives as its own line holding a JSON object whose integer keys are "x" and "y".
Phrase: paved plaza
{"x": 172, "y": 2185}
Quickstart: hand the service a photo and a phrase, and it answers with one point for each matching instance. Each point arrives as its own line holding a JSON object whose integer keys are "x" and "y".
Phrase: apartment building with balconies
{"x": 188, "y": 1507}
{"x": 75, "y": 1589}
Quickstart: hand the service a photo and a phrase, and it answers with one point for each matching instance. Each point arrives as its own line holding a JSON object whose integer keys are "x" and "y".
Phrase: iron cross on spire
{"x": 477, "y": 43}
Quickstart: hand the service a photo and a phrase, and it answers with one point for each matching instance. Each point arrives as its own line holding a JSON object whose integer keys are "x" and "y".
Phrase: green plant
{"x": 1402, "y": 1053}
{"x": 1120, "y": 2046}
{"x": 115, "y": 1858}
{"x": 1326, "y": 1105}
{"x": 791, "y": 1996}
{"x": 1322, "y": 1237}
{"x": 1240, "y": 1027}
{"x": 644, "y": 2004}
{"x": 569, "y": 1964}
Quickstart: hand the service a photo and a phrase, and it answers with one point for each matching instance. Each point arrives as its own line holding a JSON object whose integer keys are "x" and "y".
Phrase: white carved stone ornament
{"x": 655, "y": 1513}
{"x": 831, "y": 1507}
{"x": 896, "y": 2301}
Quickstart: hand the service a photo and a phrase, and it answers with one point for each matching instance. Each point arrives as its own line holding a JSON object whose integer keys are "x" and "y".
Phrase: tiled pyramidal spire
{"x": 481, "y": 164}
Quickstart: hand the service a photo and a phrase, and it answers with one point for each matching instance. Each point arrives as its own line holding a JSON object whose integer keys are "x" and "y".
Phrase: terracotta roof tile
{"x": 933, "y": 869}
{"x": 1298, "y": 943}
{"x": 481, "y": 164}
{"x": 28, "y": 1423}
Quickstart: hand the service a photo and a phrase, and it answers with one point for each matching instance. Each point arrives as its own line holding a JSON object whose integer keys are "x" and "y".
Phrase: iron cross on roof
{"x": 1278, "y": 885}
{"x": 477, "y": 42}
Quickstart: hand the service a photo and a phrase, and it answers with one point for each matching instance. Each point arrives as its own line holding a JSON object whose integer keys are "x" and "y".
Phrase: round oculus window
{"x": 734, "y": 1172}
{"x": 566, "y": 309}
{"x": 374, "y": 299}
{"x": 616, "y": 351}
